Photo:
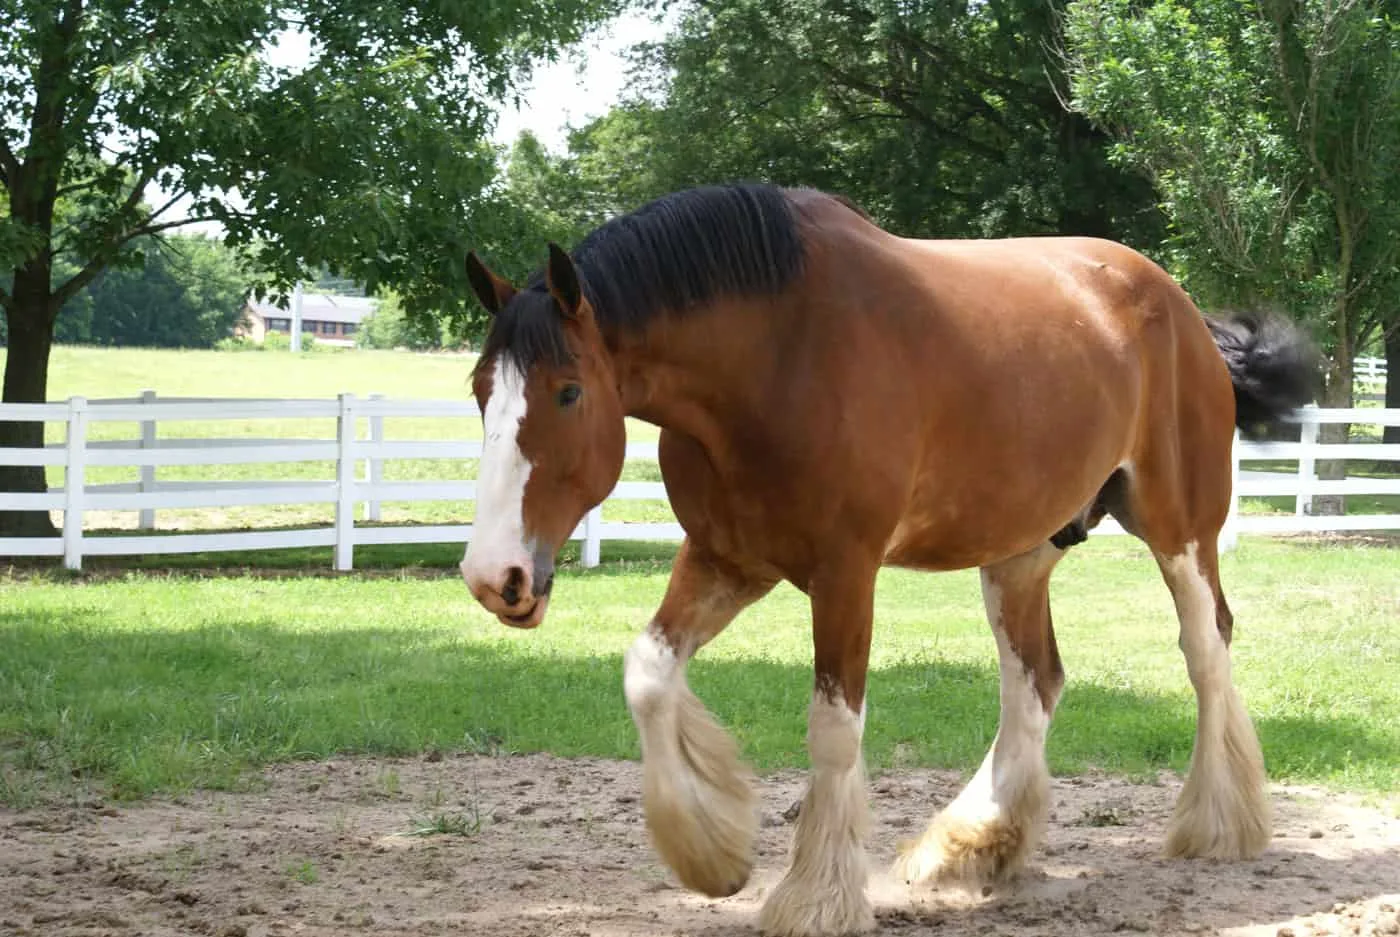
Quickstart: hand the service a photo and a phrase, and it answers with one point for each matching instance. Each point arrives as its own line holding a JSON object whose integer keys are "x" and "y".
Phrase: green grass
{"x": 136, "y": 681}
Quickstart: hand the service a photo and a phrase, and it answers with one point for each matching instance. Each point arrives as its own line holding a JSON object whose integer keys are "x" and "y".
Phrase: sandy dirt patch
{"x": 535, "y": 845}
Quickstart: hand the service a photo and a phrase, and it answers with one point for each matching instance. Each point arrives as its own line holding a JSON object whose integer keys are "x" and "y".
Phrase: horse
{"x": 833, "y": 398}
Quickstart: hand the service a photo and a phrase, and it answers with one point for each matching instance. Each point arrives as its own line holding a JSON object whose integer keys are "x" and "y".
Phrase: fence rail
{"x": 1369, "y": 372}
{"x": 358, "y": 479}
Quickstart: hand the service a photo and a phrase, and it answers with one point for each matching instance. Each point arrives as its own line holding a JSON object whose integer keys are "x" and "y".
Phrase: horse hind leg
{"x": 989, "y": 830}
{"x": 1223, "y": 810}
{"x": 697, "y": 796}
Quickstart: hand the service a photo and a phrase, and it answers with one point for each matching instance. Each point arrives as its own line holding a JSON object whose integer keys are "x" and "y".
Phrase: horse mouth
{"x": 530, "y": 618}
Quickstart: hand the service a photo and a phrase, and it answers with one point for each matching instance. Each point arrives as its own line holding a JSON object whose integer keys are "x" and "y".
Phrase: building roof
{"x": 320, "y": 307}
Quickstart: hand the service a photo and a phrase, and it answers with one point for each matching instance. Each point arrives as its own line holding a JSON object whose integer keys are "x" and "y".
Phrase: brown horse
{"x": 833, "y": 398}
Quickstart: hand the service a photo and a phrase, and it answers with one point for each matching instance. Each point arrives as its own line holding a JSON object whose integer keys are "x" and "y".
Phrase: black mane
{"x": 669, "y": 256}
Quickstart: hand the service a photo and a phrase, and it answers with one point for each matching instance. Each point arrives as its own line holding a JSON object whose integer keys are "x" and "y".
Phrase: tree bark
{"x": 26, "y": 381}
{"x": 1392, "y": 378}
{"x": 1392, "y": 391}
{"x": 1337, "y": 394}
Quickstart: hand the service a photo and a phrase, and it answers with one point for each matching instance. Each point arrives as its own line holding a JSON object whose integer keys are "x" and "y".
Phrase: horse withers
{"x": 832, "y": 399}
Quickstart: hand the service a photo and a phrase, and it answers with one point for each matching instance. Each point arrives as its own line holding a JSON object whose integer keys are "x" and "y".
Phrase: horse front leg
{"x": 697, "y": 796}
{"x": 823, "y": 892}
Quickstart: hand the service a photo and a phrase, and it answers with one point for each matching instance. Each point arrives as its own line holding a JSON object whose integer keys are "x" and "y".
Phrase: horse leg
{"x": 697, "y": 796}
{"x": 1223, "y": 811}
{"x": 823, "y": 892}
{"x": 990, "y": 828}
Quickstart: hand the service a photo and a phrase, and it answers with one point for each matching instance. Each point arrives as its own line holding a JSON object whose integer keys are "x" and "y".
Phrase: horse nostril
{"x": 515, "y": 578}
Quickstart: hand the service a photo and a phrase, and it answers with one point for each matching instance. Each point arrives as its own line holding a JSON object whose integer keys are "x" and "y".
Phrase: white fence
{"x": 359, "y": 477}
{"x": 1368, "y": 374}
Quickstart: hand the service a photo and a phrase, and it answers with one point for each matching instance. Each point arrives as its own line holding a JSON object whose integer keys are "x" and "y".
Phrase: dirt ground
{"x": 524, "y": 846}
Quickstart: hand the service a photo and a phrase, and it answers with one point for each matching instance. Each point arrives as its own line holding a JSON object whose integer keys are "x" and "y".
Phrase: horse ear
{"x": 493, "y": 291}
{"x": 562, "y": 278}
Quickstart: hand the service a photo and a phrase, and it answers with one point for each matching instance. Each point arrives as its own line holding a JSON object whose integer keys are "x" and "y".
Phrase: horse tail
{"x": 1273, "y": 364}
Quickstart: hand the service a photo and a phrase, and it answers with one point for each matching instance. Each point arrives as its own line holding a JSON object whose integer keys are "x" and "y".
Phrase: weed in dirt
{"x": 448, "y": 823}
{"x": 388, "y": 783}
{"x": 303, "y": 872}
{"x": 183, "y": 862}
{"x": 1106, "y": 814}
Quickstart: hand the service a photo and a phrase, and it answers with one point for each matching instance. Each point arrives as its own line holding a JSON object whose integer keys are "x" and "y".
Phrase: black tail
{"x": 1273, "y": 364}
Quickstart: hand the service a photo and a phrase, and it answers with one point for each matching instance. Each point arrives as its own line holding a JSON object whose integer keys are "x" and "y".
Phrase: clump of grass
{"x": 1106, "y": 814}
{"x": 304, "y": 872}
{"x": 448, "y": 823}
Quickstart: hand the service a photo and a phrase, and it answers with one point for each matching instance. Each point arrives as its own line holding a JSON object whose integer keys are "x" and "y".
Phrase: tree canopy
{"x": 369, "y": 158}
{"x": 1271, "y": 130}
{"x": 939, "y": 119}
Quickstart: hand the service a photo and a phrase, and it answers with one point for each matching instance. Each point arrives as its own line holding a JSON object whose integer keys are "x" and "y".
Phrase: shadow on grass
{"x": 427, "y": 561}
{"x": 135, "y": 712}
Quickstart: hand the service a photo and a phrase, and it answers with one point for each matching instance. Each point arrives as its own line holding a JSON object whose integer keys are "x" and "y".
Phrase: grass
{"x": 133, "y": 681}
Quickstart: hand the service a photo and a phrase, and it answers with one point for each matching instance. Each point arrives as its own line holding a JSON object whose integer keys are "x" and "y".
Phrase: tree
{"x": 388, "y": 327}
{"x": 189, "y": 293}
{"x": 940, "y": 119}
{"x": 368, "y": 159}
{"x": 1271, "y": 130}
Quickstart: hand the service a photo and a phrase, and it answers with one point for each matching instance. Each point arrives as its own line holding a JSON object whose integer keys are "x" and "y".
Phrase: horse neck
{"x": 696, "y": 371}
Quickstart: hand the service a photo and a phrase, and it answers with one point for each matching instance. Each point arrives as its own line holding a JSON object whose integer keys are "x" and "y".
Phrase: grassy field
{"x": 136, "y": 681}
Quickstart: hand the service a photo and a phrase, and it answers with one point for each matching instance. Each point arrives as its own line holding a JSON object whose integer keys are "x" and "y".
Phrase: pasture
{"x": 250, "y": 744}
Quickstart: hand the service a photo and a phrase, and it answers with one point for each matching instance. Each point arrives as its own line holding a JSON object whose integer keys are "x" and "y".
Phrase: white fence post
{"x": 593, "y": 537}
{"x": 148, "y": 472}
{"x": 1307, "y": 461}
{"x": 345, "y": 485}
{"x": 376, "y": 464}
{"x": 73, "y": 483}
{"x": 1230, "y": 533}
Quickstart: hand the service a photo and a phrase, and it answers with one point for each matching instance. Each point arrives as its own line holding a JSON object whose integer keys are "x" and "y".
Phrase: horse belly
{"x": 1012, "y": 487}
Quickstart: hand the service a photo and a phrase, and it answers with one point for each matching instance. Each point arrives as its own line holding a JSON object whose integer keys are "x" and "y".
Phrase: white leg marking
{"x": 498, "y": 535}
{"x": 698, "y": 798}
{"x": 1223, "y": 811}
{"x": 989, "y": 829}
{"x": 824, "y": 890}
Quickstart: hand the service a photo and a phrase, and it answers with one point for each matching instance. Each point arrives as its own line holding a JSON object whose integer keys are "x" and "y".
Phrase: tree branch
{"x": 100, "y": 261}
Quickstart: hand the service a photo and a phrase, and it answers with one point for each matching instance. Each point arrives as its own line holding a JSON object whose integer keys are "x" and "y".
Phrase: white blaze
{"x": 498, "y": 534}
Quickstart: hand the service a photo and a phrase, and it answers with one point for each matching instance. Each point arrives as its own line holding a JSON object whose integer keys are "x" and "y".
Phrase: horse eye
{"x": 568, "y": 394}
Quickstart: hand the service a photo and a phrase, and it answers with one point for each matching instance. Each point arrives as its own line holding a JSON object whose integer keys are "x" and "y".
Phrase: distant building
{"x": 333, "y": 320}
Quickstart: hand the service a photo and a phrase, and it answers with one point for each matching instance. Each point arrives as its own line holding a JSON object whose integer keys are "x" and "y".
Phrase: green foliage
{"x": 939, "y": 119}
{"x": 1271, "y": 130}
{"x": 389, "y": 327}
{"x": 189, "y": 293}
{"x": 368, "y": 161}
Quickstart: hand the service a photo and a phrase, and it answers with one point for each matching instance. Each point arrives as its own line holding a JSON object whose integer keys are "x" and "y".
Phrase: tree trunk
{"x": 26, "y": 381}
{"x": 1336, "y": 394}
{"x": 1392, "y": 387}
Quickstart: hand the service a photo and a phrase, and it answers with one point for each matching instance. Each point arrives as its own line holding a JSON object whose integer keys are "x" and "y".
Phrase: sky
{"x": 581, "y": 86}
